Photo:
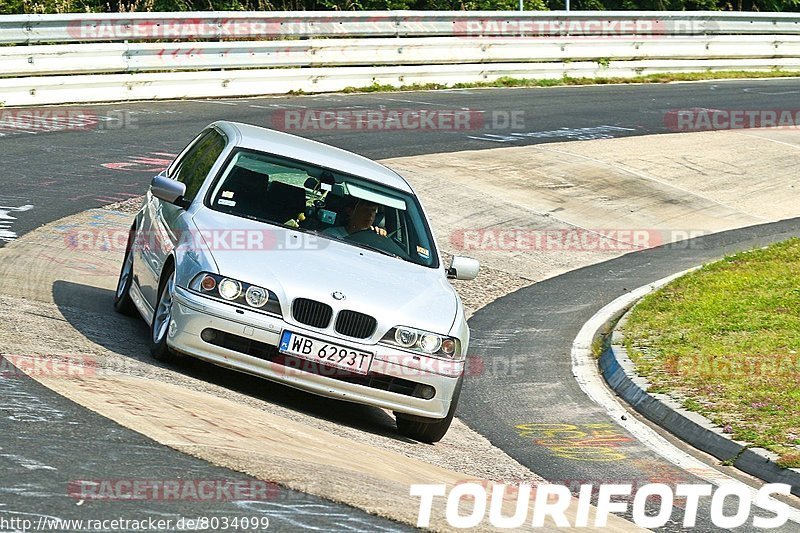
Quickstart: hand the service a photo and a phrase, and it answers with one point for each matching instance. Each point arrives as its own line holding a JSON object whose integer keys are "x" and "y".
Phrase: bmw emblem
{"x": 337, "y": 295}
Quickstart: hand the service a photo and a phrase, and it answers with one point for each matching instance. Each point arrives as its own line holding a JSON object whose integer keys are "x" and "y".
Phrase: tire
{"x": 122, "y": 299}
{"x": 162, "y": 316}
{"x": 428, "y": 430}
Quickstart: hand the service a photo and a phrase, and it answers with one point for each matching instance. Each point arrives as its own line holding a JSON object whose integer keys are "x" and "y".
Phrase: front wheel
{"x": 122, "y": 298}
{"x": 432, "y": 429}
{"x": 162, "y": 318}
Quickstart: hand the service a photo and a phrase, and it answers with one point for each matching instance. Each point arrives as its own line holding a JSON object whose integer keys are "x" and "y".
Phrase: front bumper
{"x": 193, "y": 314}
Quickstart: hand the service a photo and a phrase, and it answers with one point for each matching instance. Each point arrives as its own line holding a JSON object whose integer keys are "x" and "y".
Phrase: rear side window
{"x": 195, "y": 165}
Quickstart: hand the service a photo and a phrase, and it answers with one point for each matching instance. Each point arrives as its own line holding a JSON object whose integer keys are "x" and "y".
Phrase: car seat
{"x": 284, "y": 202}
{"x": 247, "y": 190}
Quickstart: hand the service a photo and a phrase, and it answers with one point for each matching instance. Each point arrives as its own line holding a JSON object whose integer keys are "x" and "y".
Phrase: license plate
{"x": 325, "y": 353}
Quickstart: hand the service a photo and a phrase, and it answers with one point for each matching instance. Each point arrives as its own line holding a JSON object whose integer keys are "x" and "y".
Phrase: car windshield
{"x": 332, "y": 204}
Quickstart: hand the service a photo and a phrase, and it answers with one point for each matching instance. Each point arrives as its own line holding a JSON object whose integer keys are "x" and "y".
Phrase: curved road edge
{"x": 543, "y": 416}
{"x": 619, "y": 372}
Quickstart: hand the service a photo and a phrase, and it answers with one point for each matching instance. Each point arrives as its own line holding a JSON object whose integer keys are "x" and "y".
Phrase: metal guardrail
{"x": 152, "y": 57}
{"x": 202, "y": 84}
{"x": 122, "y": 56}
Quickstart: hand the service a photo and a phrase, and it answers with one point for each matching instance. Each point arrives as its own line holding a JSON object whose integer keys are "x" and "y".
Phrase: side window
{"x": 195, "y": 165}
{"x": 394, "y": 225}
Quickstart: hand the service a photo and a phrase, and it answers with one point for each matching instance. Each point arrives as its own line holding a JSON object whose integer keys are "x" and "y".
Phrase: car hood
{"x": 294, "y": 264}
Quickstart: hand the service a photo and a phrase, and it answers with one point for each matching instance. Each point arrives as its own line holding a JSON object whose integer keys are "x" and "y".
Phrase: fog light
{"x": 208, "y": 335}
{"x": 427, "y": 392}
{"x": 173, "y": 328}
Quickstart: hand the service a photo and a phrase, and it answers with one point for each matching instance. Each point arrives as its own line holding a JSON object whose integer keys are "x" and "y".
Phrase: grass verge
{"x": 726, "y": 340}
{"x": 566, "y": 80}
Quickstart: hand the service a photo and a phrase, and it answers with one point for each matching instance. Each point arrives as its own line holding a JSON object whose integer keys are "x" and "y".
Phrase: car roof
{"x": 301, "y": 149}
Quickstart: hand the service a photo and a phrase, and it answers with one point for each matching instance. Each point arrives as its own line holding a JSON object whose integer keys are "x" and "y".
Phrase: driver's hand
{"x": 380, "y": 231}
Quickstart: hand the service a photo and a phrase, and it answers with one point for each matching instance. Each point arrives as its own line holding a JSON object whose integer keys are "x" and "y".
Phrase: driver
{"x": 359, "y": 217}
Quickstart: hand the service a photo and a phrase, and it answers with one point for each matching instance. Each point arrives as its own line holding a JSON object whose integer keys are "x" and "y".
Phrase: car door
{"x": 168, "y": 221}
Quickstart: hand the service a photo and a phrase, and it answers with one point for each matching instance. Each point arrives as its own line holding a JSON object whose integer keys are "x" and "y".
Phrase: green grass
{"x": 727, "y": 339}
{"x": 566, "y": 80}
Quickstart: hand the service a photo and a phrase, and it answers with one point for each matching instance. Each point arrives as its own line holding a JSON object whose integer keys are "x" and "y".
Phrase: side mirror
{"x": 463, "y": 268}
{"x": 170, "y": 191}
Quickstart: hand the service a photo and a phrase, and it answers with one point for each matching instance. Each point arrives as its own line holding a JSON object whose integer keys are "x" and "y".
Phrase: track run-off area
{"x": 566, "y": 195}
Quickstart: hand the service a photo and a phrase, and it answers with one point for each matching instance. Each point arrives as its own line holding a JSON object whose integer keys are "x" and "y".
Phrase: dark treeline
{"x": 67, "y": 6}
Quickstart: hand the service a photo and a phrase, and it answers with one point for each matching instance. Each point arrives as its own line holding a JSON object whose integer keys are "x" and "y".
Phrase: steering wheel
{"x": 370, "y": 238}
{"x": 368, "y": 230}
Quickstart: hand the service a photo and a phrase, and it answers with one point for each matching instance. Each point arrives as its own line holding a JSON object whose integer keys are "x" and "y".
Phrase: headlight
{"x": 256, "y": 296}
{"x": 423, "y": 342}
{"x": 430, "y": 343}
{"x": 230, "y": 289}
{"x": 405, "y": 337}
{"x": 236, "y": 292}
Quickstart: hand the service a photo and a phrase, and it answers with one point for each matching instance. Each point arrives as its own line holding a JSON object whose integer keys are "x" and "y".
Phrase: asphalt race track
{"x": 528, "y": 336}
{"x": 42, "y": 481}
{"x": 50, "y": 174}
{"x": 64, "y": 172}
